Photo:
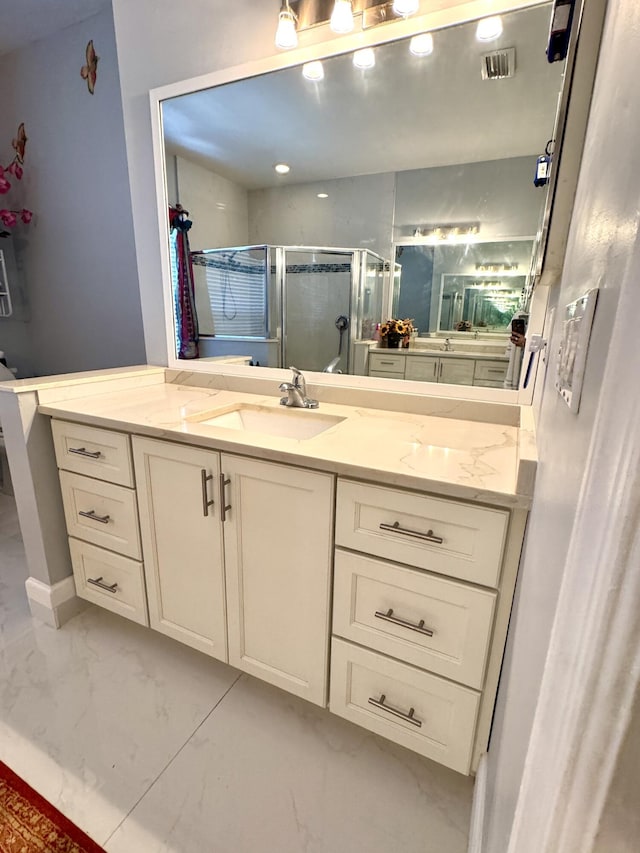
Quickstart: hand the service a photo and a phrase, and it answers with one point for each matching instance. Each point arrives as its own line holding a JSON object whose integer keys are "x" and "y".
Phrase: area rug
{"x": 29, "y": 824}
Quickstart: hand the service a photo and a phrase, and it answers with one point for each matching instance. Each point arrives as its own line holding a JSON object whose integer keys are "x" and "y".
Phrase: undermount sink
{"x": 300, "y": 424}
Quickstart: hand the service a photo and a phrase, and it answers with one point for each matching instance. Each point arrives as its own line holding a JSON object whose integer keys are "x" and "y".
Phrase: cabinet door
{"x": 278, "y": 543}
{"x": 457, "y": 371}
{"x": 423, "y": 368}
{"x": 182, "y": 542}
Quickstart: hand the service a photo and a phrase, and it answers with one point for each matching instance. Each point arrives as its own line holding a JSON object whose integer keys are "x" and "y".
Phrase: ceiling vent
{"x": 499, "y": 64}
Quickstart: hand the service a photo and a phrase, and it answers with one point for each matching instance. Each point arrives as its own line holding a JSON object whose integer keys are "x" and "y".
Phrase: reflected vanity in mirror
{"x": 321, "y": 207}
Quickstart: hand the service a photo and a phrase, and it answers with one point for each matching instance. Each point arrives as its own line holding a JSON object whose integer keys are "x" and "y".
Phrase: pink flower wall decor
{"x": 89, "y": 72}
{"x": 8, "y": 217}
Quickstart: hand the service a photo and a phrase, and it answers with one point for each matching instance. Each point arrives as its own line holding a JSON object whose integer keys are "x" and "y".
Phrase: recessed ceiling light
{"x": 323, "y": 195}
{"x": 421, "y": 45}
{"x": 489, "y": 28}
{"x": 313, "y": 70}
{"x": 282, "y": 168}
{"x": 364, "y": 58}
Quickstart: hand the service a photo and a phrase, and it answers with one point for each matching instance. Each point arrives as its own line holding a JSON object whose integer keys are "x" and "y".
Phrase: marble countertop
{"x": 463, "y": 459}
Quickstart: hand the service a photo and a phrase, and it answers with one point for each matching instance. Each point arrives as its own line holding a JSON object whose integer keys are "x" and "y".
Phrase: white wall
{"x": 600, "y": 251}
{"x": 14, "y": 331}
{"x": 499, "y": 194}
{"x": 218, "y": 208}
{"x": 357, "y": 214}
{"x": 78, "y": 254}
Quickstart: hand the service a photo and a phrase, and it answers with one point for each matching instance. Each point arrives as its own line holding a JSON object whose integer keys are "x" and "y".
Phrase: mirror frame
{"x": 323, "y": 44}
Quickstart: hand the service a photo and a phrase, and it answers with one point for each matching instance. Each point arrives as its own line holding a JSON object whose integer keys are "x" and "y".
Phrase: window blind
{"x": 236, "y": 286}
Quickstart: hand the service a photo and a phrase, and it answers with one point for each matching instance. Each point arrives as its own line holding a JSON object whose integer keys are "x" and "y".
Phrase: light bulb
{"x": 489, "y": 28}
{"x": 421, "y": 45}
{"x": 405, "y": 7}
{"x": 342, "y": 17}
{"x": 286, "y": 34}
{"x": 313, "y": 71}
{"x": 364, "y": 58}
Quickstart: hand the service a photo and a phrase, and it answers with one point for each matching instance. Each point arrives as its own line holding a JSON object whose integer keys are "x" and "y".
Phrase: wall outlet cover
{"x": 572, "y": 357}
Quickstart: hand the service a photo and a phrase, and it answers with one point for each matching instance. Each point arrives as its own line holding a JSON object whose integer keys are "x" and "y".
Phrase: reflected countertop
{"x": 471, "y": 460}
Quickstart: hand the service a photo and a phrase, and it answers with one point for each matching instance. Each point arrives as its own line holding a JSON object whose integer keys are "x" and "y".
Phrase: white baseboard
{"x": 478, "y": 807}
{"x": 54, "y": 604}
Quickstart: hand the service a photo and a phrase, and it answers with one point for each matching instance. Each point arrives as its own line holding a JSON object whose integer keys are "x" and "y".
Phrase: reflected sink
{"x": 300, "y": 424}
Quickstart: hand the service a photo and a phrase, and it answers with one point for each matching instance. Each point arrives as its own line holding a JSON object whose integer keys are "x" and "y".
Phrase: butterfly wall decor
{"x": 89, "y": 72}
{"x": 20, "y": 143}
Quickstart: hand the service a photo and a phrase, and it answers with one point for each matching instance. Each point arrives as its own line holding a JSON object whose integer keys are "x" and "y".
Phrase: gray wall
{"x": 603, "y": 234}
{"x": 78, "y": 254}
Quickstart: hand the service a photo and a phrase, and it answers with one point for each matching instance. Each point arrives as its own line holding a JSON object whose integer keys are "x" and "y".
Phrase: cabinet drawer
{"x": 109, "y": 580}
{"x": 443, "y": 536}
{"x": 422, "y": 368}
{"x": 101, "y": 513}
{"x": 386, "y": 363}
{"x": 98, "y": 453}
{"x": 493, "y": 371}
{"x": 421, "y": 711}
{"x": 382, "y": 606}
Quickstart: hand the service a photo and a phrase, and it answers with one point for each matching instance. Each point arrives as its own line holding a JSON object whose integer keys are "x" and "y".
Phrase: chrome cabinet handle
{"x": 206, "y": 503}
{"x": 103, "y": 519}
{"x": 99, "y": 582}
{"x": 440, "y": 373}
{"x": 387, "y": 362}
{"x": 224, "y": 481}
{"x": 396, "y": 620}
{"x": 408, "y": 718}
{"x": 415, "y": 534}
{"x": 82, "y": 451}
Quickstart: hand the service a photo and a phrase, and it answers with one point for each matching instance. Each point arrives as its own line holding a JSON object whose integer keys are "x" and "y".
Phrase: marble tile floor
{"x": 150, "y": 746}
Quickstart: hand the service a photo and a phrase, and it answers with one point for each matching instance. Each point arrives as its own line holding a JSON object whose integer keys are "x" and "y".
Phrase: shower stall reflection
{"x": 315, "y": 307}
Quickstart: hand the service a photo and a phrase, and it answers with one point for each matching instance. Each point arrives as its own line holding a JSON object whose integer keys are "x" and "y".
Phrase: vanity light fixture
{"x": 364, "y": 58}
{"x": 421, "y": 45}
{"x": 489, "y": 29}
{"x": 436, "y": 234}
{"x": 406, "y": 7}
{"x": 282, "y": 168}
{"x": 342, "y": 17}
{"x": 286, "y": 34}
{"x": 313, "y": 71}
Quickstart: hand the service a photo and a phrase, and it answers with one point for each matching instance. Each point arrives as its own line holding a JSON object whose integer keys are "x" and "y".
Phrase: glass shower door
{"x": 316, "y": 303}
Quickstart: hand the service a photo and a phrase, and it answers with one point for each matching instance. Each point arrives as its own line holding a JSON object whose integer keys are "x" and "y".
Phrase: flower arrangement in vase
{"x": 394, "y": 331}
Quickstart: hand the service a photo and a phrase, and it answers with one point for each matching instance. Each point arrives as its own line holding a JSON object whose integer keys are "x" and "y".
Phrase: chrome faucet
{"x": 447, "y": 345}
{"x": 297, "y": 392}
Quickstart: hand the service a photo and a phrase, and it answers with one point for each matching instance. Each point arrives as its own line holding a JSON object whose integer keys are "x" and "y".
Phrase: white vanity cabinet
{"x": 389, "y": 605}
{"x": 452, "y": 370}
{"x": 181, "y": 529}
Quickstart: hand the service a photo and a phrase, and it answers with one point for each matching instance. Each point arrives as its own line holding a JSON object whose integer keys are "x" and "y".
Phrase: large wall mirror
{"x": 325, "y": 200}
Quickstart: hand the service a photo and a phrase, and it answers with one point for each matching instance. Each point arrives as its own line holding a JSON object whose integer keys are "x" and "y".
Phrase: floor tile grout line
{"x": 172, "y": 759}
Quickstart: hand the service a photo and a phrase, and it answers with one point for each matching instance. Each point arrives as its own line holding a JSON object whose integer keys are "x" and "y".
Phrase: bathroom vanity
{"x": 361, "y": 558}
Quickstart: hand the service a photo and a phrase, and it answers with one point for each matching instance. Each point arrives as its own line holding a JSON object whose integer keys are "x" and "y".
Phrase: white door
{"x": 278, "y": 546}
{"x": 178, "y": 496}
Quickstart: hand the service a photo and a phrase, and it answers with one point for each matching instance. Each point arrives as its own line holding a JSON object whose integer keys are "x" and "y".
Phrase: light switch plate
{"x": 572, "y": 357}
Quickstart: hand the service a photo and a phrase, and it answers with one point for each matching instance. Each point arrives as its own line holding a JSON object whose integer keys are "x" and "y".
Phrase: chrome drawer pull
{"x": 99, "y": 582}
{"x": 427, "y": 537}
{"x": 103, "y": 519}
{"x": 82, "y": 451}
{"x": 389, "y": 617}
{"x": 225, "y": 507}
{"x": 206, "y": 503}
{"x": 408, "y": 718}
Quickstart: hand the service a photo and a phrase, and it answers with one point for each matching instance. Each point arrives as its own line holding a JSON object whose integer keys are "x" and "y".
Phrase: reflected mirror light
{"x": 313, "y": 71}
{"x": 342, "y": 17}
{"x": 489, "y": 29}
{"x": 421, "y": 45}
{"x": 433, "y": 211}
